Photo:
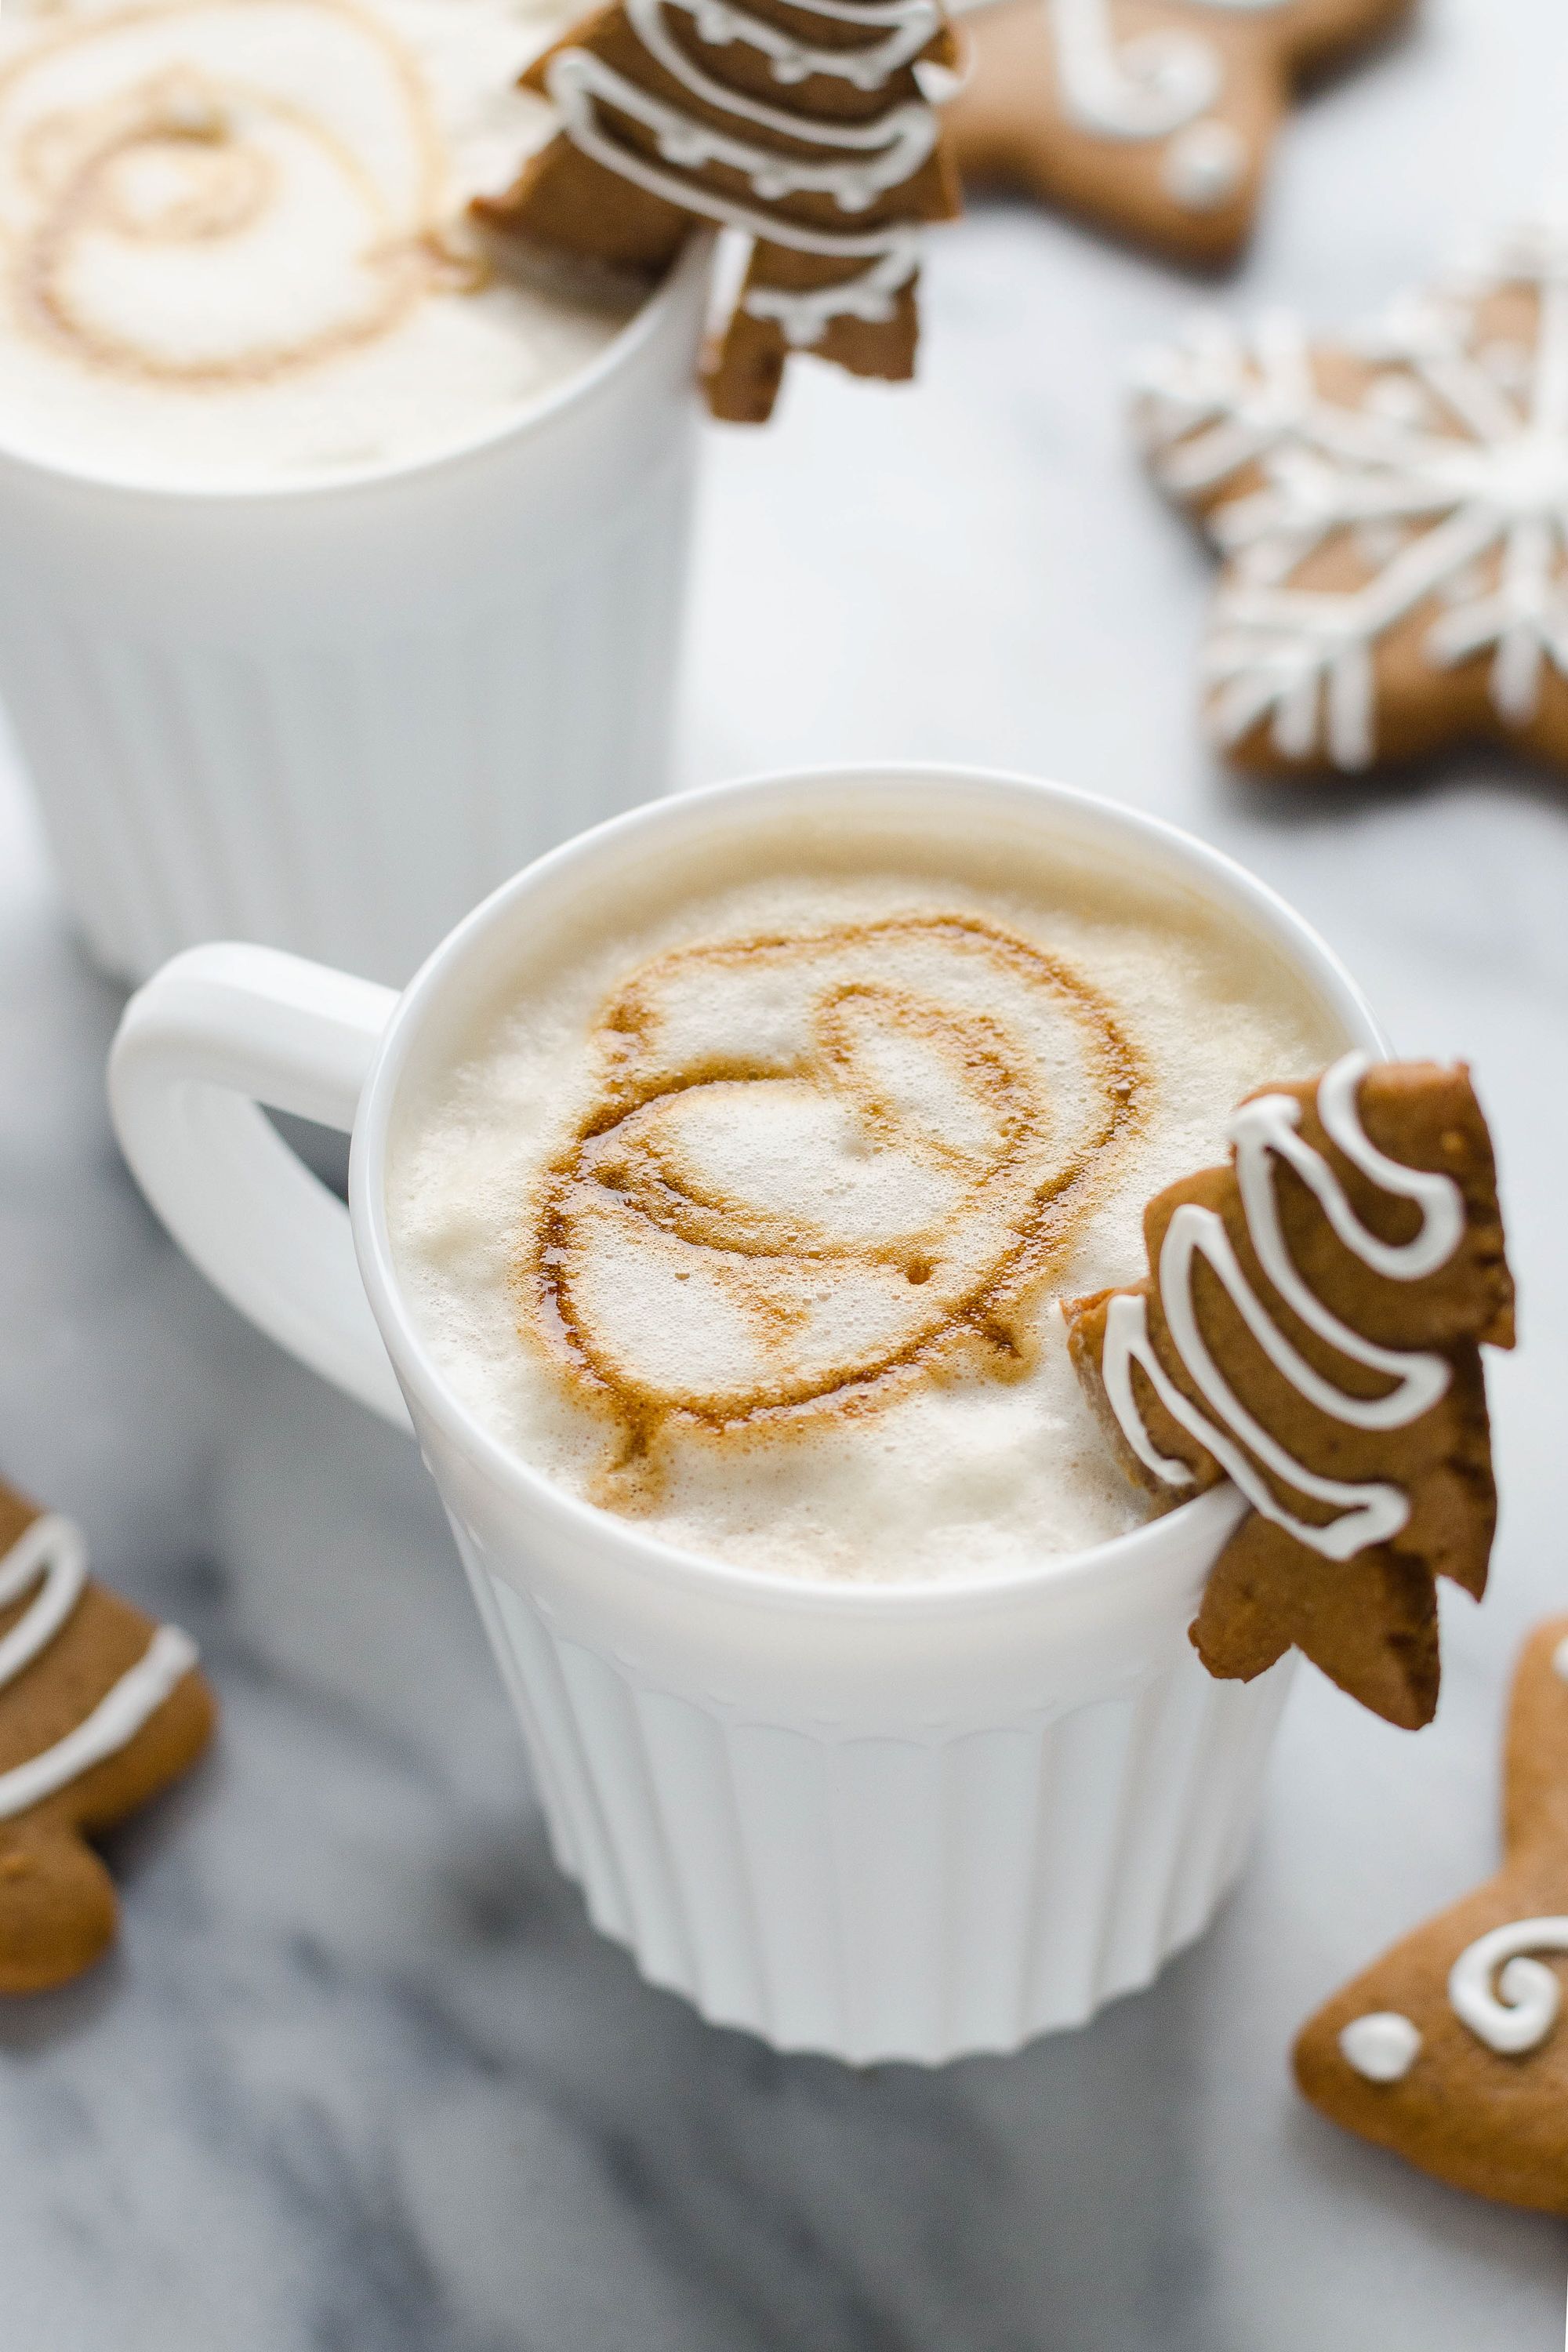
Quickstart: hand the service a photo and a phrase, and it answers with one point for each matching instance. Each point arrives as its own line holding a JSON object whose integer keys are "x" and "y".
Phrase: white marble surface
{"x": 359, "y": 2077}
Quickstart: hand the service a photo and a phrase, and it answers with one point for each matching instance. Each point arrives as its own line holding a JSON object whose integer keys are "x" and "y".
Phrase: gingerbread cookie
{"x": 1452, "y": 2049}
{"x": 1388, "y": 508}
{"x": 1311, "y": 1330}
{"x": 806, "y": 124}
{"x": 98, "y": 1711}
{"x": 1152, "y": 119}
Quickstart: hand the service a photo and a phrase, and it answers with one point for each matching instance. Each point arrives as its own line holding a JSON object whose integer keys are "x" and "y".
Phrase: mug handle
{"x": 216, "y": 1033}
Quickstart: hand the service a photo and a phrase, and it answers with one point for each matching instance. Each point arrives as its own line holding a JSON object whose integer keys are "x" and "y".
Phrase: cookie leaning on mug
{"x": 811, "y": 129}
{"x": 1452, "y": 2049}
{"x": 100, "y": 1709}
{"x": 1311, "y": 1328}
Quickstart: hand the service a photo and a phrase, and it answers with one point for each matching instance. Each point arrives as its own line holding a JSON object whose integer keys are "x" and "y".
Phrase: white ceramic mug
{"x": 882, "y": 1821}
{"x": 329, "y": 717}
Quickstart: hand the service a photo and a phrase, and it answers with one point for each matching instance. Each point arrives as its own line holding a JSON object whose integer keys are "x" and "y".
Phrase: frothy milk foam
{"x": 748, "y": 1215}
{"x": 234, "y": 239}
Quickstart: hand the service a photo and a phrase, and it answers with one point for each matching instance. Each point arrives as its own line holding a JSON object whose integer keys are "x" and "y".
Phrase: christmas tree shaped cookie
{"x": 1310, "y": 1329}
{"x": 808, "y": 126}
{"x": 1390, "y": 510}
{"x": 1452, "y": 2049}
{"x": 1152, "y": 119}
{"x": 100, "y": 1709}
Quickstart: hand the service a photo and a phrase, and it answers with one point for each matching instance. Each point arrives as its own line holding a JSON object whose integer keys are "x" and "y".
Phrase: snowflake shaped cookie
{"x": 1152, "y": 119}
{"x": 1393, "y": 513}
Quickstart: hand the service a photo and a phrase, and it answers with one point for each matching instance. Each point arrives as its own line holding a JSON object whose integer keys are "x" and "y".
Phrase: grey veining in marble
{"x": 359, "y": 2077}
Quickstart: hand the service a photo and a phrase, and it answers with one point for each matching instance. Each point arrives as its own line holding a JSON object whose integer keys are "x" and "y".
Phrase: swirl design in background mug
{"x": 221, "y": 191}
{"x": 819, "y": 1166}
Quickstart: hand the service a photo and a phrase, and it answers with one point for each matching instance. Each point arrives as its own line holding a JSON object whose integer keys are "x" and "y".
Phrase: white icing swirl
{"x": 868, "y": 159}
{"x": 1159, "y": 84}
{"x": 52, "y": 1550}
{"x": 1138, "y": 90}
{"x": 1264, "y": 1131}
{"x": 1518, "y": 2013}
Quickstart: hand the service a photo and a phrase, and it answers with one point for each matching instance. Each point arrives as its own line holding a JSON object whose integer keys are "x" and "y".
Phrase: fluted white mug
{"x": 882, "y": 1821}
{"x": 329, "y": 716}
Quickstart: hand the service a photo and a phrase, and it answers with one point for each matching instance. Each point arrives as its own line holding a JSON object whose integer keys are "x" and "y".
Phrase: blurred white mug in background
{"x": 343, "y": 569}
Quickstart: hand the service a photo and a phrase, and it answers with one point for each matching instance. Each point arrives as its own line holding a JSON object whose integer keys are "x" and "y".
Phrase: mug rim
{"x": 1120, "y": 1559}
{"x": 624, "y": 348}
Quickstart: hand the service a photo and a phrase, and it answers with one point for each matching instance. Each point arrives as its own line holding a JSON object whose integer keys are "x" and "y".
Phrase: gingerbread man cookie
{"x": 806, "y": 124}
{"x": 1389, "y": 511}
{"x": 1310, "y": 1329}
{"x": 1150, "y": 118}
{"x": 98, "y": 1711}
{"x": 1452, "y": 2049}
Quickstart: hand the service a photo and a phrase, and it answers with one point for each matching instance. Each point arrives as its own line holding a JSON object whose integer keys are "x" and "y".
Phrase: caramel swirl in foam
{"x": 220, "y": 192}
{"x": 820, "y": 1166}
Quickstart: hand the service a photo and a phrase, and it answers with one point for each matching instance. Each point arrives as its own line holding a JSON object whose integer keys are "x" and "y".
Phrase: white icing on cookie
{"x": 912, "y": 24}
{"x": 1140, "y": 88}
{"x": 114, "y": 1724}
{"x": 1452, "y": 474}
{"x": 1560, "y": 1660}
{"x": 1155, "y": 85}
{"x": 1204, "y": 164}
{"x": 53, "y": 1550}
{"x": 1265, "y": 1132}
{"x": 1521, "y": 2011}
{"x": 866, "y": 161}
{"x": 1382, "y": 2047}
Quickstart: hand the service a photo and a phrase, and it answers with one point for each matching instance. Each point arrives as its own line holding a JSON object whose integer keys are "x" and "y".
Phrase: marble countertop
{"x": 359, "y": 2076}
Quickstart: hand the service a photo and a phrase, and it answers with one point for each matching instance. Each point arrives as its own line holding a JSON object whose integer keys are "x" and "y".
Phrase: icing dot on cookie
{"x": 1560, "y": 1660}
{"x": 1204, "y": 164}
{"x": 1382, "y": 2047}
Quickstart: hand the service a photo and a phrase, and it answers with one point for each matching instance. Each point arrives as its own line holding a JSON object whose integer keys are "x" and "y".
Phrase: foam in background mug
{"x": 883, "y": 1818}
{"x": 336, "y": 587}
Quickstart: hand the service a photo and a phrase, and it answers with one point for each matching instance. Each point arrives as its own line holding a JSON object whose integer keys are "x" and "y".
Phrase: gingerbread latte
{"x": 750, "y": 1215}
{"x": 235, "y": 250}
